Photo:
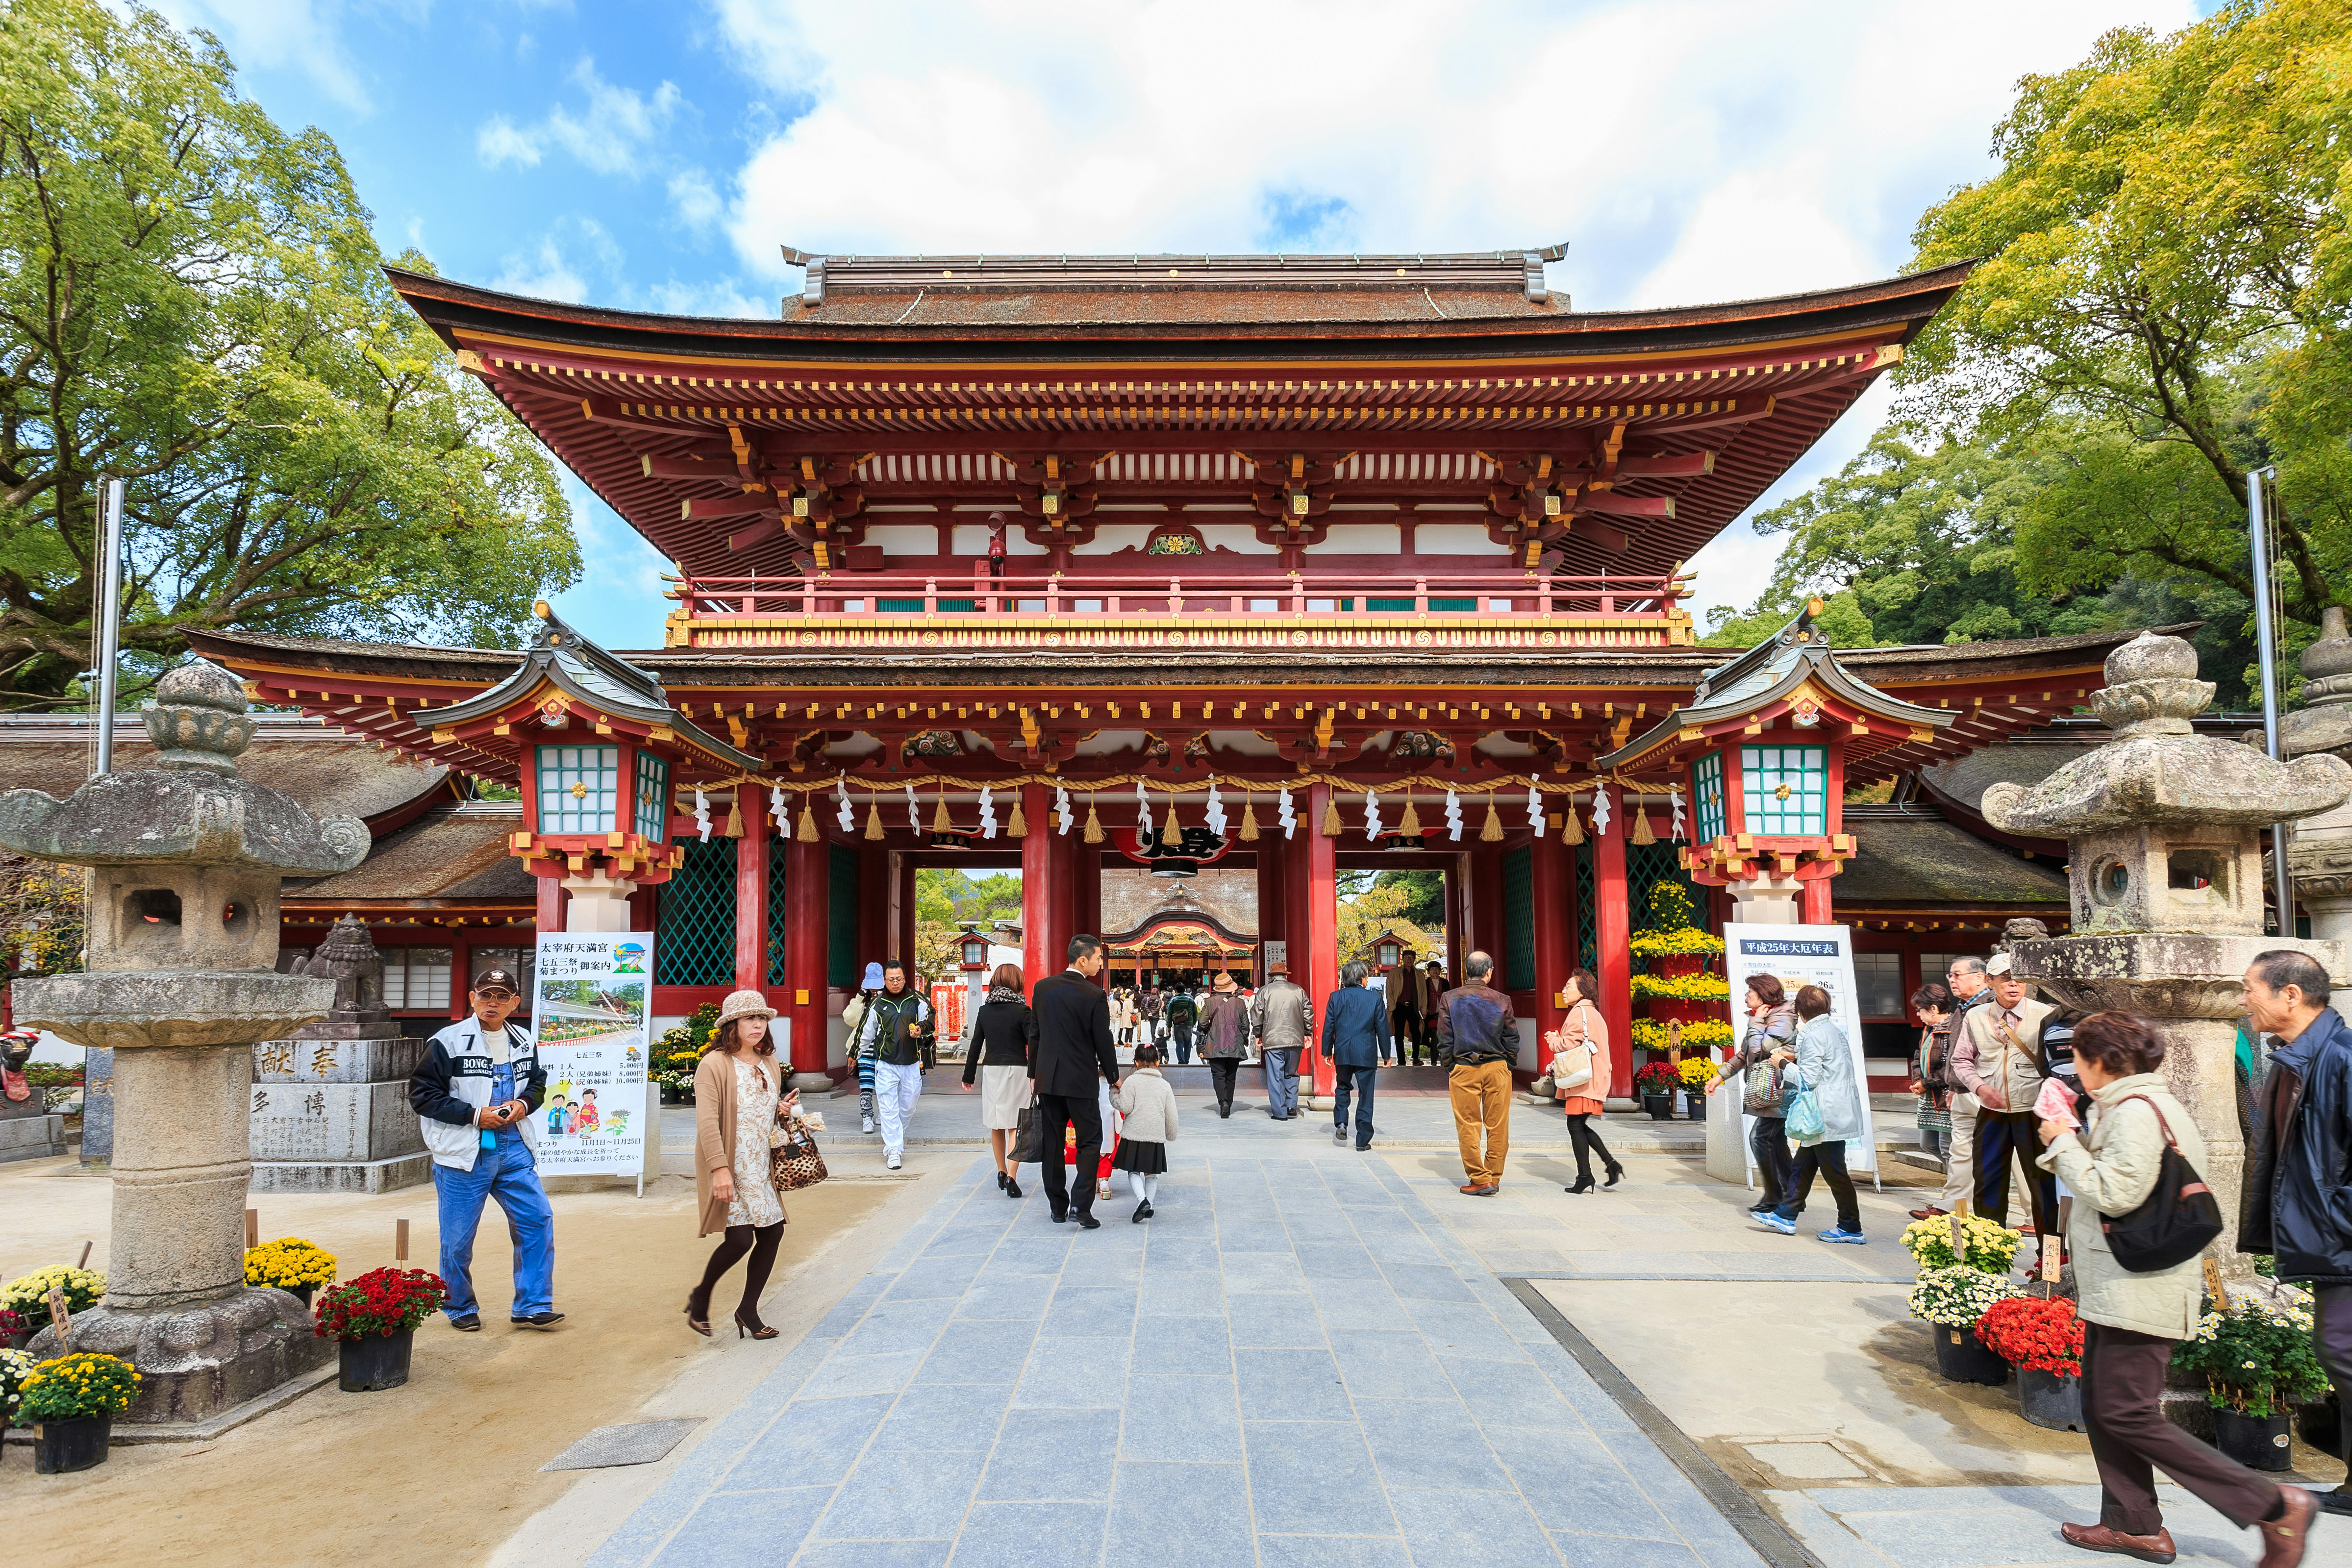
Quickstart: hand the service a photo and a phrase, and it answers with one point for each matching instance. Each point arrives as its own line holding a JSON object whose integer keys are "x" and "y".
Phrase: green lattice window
{"x": 1787, "y": 789}
{"x": 579, "y": 788}
{"x": 653, "y": 796}
{"x": 696, "y": 944}
{"x": 776, "y": 911}
{"x": 1405, "y": 606}
{"x": 915, "y": 606}
{"x": 1519, "y": 919}
{"x": 1588, "y": 925}
{"x": 1706, "y": 797}
{"x": 841, "y": 965}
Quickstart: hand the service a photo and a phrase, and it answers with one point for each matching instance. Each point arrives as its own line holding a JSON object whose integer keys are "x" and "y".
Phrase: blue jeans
{"x": 509, "y": 1173}
{"x": 1282, "y": 1083}
{"x": 1347, "y": 1078}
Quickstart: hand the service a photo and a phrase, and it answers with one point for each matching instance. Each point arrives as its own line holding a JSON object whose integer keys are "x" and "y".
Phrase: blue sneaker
{"x": 1771, "y": 1220}
{"x": 1833, "y": 1234}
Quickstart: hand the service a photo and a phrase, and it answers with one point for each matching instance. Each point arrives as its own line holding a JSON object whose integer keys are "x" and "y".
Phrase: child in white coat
{"x": 1148, "y": 1107}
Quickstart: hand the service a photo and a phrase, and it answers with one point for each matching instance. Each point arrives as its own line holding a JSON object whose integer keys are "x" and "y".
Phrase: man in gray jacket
{"x": 1283, "y": 1021}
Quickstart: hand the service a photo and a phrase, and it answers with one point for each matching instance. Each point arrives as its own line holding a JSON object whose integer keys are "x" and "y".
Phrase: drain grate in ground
{"x": 638, "y": 1443}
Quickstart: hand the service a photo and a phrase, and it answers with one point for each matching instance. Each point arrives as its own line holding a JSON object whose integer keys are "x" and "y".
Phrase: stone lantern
{"x": 2319, "y": 849}
{"x": 185, "y": 862}
{"x": 2165, "y": 872}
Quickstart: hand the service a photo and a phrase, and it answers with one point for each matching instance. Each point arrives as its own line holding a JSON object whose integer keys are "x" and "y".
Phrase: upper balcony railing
{"x": 1194, "y": 607}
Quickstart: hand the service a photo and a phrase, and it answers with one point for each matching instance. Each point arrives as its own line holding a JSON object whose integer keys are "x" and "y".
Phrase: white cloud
{"x": 275, "y": 34}
{"x": 696, "y": 199}
{"x": 1691, "y": 151}
{"x": 615, "y": 134}
{"x": 550, "y": 269}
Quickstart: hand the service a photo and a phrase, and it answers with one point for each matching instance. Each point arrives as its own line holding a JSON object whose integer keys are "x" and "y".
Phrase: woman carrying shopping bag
{"x": 1580, "y": 1069}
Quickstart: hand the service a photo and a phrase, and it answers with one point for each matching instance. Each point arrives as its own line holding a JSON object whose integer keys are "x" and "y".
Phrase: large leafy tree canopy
{"x": 2161, "y": 308}
{"x": 190, "y": 299}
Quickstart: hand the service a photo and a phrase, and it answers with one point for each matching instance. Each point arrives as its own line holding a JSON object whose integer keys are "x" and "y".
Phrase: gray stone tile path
{"x": 1293, "y": 1365}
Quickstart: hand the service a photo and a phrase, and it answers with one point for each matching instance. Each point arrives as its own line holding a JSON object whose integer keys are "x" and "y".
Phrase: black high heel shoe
{"x": 1001, "y": 1180}
{"x": 1616, "y": 1174}
{"x": 1012, "y": 1188}
{"x": 699, "y": 1325}
{"x": 753, "y": 1327}
{"x": 1583, "y": 1184}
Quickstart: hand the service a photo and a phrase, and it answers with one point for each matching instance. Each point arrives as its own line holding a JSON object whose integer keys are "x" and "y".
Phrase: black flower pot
{"x": 379, "y": 1360}
{"x": 1962, "y": 1357}
{"x": 301, "y": 1294}
{"x": 1660, "y": 1107}
{"x": 1694, "y": 1104}
{"x": 2321, "y": 1423}
{"x": 2049, "y": 1400}
{"x": 59, "y": 1447}
{"x": 2257, "y": 1442}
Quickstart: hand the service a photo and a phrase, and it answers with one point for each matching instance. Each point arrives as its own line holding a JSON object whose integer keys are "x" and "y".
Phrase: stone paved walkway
{"x": 1294, "y": 1363}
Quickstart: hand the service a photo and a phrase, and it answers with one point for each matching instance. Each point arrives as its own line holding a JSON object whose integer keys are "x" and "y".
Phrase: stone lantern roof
{"x": 191, "y": 807}
{"x": 2158, "y": 771}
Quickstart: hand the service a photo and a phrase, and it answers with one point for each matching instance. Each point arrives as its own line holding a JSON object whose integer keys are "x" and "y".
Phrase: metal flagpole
{"x": 109, "y": 615}
{"x": 2266, "y": 647}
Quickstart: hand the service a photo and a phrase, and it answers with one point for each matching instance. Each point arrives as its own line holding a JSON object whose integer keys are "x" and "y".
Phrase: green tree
{"x": 2167, "y": 276}
{"x": 944, "y": 897}
{"x": 1913, "y": 546}
{"x": 190, "y": 299}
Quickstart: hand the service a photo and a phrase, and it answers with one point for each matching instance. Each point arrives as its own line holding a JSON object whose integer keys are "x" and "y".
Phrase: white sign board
{"x": 1277, "y": 951}
{"x": 590, "y": 998}
{"x": 1802, "y": 956}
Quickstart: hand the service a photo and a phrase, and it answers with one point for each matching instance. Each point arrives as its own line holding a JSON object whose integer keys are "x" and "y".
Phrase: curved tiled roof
{"x": 1913, "y": 859}
{"x": 328, "y": 772}
{"x": 456, "y": 853}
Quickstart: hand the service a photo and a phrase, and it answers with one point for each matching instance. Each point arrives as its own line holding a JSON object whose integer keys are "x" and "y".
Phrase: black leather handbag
{"x": 2179, "y": 1219}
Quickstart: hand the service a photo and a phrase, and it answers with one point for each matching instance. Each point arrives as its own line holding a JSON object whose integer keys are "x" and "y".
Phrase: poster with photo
{"x": 1802, "y": 956}
{"x": 589, "y": 1004}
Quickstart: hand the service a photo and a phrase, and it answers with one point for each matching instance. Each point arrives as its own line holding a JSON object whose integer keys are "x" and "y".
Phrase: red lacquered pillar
{"x": 751, "y": 900}
{"x": 1040, "y": 956}
{"x": 808, "y": 918}
{"x": 1321, "y": 960}
{"x": 1813, "y": 902}
{"x": 1553, "y": 886}
{"x": 1612, "y": 931}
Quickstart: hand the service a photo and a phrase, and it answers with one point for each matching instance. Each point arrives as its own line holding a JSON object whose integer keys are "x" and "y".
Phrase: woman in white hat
{"x": 739, "y": 1099}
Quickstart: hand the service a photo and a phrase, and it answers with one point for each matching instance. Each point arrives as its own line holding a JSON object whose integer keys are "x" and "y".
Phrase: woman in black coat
{"x": 998, "y": 1050}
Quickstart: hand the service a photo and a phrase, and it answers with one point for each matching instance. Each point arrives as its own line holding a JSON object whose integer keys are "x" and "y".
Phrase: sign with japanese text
{"x": 592, "y": 993}
{"x": 1800, "y": 955}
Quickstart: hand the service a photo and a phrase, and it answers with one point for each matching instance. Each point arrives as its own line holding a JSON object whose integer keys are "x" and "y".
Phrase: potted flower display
{"x": 1697, "y": 1072}
{"x": 16, "y": 1366}
{"x": 29, "y": 1294}
{"x": 1678, "y": 988}
{"x": 71, "y": 1402}
{"x": 373, "y": 1319}
{"x": 1656, "y": 1084}
{"x": 17, "y": 1330}
{"x": 1984, "y": 1245}
{"x": 679, "y": 1051}
{"x": 2257, "y": 1362}
{"x": 1952, "y": 1302}
{"x": 2042, "y": 1339}
{"x": 290, "y": 1264}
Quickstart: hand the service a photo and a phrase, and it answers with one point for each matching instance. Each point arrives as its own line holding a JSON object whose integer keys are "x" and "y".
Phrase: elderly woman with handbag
{"x": 1824, "y": 1112}
{"x": 1580, "y": 1066}
{"x": 2142, "y": 1291}
{"x": 740, "y": 1104}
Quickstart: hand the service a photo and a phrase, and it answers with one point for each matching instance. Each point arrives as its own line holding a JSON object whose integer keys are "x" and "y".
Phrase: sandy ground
{"x": 444, "y": 1470}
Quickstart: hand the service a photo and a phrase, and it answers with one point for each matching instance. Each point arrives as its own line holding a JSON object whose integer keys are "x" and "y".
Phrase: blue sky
{"x": 657, "y": 157}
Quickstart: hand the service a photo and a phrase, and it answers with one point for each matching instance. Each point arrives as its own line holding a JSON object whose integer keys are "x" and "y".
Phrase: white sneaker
{"x": 891, "y": 1160}
{"x": 869, "y": 1127}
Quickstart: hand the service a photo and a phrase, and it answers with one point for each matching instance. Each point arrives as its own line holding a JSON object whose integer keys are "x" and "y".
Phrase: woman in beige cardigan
{"x": 739, "y": 1101}
{"x": 2131, "y": 1321}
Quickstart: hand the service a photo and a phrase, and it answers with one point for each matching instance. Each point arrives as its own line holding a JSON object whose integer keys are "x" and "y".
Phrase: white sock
{"x": 1150, "y": 1187}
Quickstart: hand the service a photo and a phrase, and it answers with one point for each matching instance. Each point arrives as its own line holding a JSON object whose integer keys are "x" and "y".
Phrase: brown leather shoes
{"x": 2157, "y": 1548}
{"x": 1930, "y": 1212}
{"x": 2284, "y": 1537}
{"x": 1477, "y": 1190}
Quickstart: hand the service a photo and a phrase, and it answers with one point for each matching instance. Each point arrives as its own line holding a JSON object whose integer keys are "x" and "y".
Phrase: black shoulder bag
{"x": 2178, "y": 1219}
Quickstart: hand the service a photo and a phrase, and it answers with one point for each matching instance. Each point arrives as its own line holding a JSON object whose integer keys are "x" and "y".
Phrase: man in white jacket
{"x": 474, "y": 1094}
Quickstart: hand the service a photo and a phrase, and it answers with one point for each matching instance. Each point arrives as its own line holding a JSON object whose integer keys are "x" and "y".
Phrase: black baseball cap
{"x": 498, "y": 981}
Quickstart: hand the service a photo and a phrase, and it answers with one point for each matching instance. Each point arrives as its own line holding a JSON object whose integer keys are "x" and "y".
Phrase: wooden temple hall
{"x": 1181, "y": 584}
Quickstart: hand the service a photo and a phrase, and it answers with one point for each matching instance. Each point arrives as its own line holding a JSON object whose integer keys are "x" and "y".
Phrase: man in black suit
{"x": 1074, "y": 1053}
